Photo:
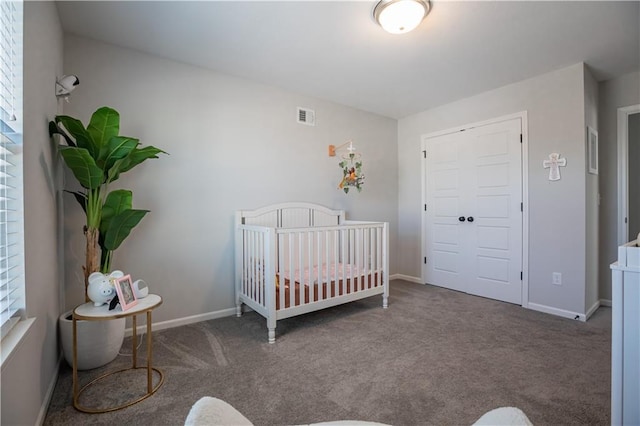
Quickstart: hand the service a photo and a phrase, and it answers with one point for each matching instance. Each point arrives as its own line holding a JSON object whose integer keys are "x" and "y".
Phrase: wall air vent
{"x": 306, "y": 116}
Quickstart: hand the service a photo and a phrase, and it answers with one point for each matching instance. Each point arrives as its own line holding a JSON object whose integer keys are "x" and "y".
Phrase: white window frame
{"x": 13, "y": 322}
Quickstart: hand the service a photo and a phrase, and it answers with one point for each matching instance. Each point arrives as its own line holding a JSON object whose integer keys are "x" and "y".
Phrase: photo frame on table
{"x": 126, "y": 295}
{"x": 592, "y": 151}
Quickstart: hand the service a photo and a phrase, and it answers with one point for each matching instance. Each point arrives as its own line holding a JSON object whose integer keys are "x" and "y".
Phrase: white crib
{"x": 295, "y": 258}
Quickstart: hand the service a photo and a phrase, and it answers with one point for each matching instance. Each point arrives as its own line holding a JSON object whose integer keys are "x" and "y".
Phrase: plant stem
{"x": 92, "y": 261}
{"x": 106, "y": 267}
{"x": 94, "y": 216}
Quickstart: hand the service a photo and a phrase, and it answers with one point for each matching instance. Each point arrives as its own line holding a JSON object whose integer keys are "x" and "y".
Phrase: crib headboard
{"x": 291, "y": 215}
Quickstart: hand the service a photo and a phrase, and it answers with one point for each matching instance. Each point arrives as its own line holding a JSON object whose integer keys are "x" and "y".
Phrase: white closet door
{"x": 446, "y": 243}
{"x": 473, "y": 218}
{"x": 495, "y": 194}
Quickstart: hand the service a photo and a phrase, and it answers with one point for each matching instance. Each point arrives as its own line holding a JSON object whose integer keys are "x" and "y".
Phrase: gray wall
{"x": 233, "y": 144}
{"x": 616, "y": 93}
{"x": 591, "y": 211}
{"x": 634, "y": 176}
{"x": 556, "y": 115}
{"x": 32, "y": 369}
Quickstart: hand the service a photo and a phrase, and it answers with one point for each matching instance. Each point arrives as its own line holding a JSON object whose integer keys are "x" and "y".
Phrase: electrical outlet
{"x": 556, "y": 278}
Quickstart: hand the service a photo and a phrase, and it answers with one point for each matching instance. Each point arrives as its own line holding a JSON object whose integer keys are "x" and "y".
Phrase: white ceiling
{"x": 334, "y": 50}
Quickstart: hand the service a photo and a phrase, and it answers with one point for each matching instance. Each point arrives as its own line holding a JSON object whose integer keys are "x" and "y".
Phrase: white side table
{"x": 89, "y": 312}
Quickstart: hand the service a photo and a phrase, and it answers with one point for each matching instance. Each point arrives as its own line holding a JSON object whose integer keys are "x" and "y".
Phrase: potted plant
{"x": 97, "y": 155}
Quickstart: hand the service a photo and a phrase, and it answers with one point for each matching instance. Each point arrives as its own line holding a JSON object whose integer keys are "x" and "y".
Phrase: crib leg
{"x": 271, "y": 327}
{"x": 385, "y": 301}
{"x": 238, "y": 310}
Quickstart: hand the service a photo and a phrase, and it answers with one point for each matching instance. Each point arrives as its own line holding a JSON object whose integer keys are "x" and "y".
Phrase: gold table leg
{"x": 150, "y": 369}
{"x": 134, "y": 338}
{"x": 149, "y": 354}
{"x": 75, "y": 361}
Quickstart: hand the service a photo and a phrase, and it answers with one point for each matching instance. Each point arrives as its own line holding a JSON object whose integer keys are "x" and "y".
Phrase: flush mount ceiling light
{"x": 400, "y": 16}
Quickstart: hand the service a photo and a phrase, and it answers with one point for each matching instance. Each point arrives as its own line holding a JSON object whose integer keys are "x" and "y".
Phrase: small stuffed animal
{"x": 100, "y": 289}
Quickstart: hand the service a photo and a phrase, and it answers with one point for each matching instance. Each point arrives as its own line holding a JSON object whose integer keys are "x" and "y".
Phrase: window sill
{"x": 12, "y": 341}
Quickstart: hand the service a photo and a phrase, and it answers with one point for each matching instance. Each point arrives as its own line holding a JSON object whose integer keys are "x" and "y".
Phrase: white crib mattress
{"x": 326, "y": 273}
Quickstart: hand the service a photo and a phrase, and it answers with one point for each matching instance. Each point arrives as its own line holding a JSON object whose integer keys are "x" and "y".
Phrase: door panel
{"x": 493, "y": 237}
{"x": 446, "y": 193}
{"x": 497, "y": 193}
{"x": 475, "y": 174}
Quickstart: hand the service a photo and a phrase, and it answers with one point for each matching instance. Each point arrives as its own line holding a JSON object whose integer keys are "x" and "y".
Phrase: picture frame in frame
{"x": 592, "y": 151}
{"x": 126, "y": 295}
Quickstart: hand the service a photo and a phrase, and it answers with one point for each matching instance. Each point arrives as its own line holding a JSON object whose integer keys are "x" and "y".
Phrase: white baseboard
{"x": 405, "y": 278}
{"x": 605, "y": 302}
{"x": 558, "y": 312}
{"x": 592, "y": 309}
{"x": 49, "y": 394}
{"x": 183, "y": 321}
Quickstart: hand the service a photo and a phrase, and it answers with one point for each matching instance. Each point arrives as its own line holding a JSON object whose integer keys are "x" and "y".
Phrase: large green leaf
{"x": 117, "y": 201}
{"x": 138, "y": 156}
{"x": 79, "y": 133}
{"x": 83, "y": 166}
{"x": 121, "y": 226}
{"x": 54, "y": 129}
{"x": 114, "y": 172}
{"x": 104, "y": 124}
{"x": 116, "y": 148}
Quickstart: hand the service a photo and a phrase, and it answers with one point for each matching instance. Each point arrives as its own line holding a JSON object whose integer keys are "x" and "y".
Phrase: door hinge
{"x": 521, "y": 207}
{"x": 520, "y": 275}
{"x": 520, "y": 137}
{"x": 424, "y": 154}
{"x": 425, "y": 260}
{"x": 425, "y": 207}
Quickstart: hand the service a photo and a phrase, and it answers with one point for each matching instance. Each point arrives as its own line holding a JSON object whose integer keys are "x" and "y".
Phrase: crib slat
{"x": 318, "y": 263}
{"x": 365, "y": 265}
{"x": 255, "y": 267}
{"x": 358, "y": 262}
{"x": 336, "y": 260}
{"x": 281, "y": 275}
{"x": 343, "y": 262}
{"x": 245, "y": 262}
{"x": 261, "y": 268}
{"x": 327, "y": 261}
{"x": 252, "y": 267}
{"x": 307, "y": 266}
{"x": 379, "y": 254}
{"x": 254, "y": 258}
{"x": 304, "y": 281}
{"x": 352, "y": 256}
{"x": 359, "y": 259}
{"x": 291, "y": 270}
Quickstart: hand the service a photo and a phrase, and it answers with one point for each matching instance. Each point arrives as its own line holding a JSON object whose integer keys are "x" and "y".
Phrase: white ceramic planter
{"x": 98, "y": 341}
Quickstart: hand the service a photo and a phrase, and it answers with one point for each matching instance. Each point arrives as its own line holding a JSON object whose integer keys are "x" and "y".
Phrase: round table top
{"x": 88, "y": 311}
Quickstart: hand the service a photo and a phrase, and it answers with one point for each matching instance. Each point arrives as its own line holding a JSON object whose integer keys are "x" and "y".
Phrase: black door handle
{"x": 461, "y": 219}
{"x": 470, "y": 218}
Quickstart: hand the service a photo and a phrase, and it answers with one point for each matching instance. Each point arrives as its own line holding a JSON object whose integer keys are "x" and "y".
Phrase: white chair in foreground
{"x": 209, "y": 411}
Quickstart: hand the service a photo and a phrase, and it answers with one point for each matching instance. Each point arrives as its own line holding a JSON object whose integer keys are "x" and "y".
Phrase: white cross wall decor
{"x": 553, "y": 164}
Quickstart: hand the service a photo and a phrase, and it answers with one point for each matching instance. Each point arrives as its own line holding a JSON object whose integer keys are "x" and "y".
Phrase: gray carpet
{"x": 434, "y": 357}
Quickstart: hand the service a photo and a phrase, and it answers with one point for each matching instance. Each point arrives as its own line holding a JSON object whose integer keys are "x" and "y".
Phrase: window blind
{"x": 12, "y": 297}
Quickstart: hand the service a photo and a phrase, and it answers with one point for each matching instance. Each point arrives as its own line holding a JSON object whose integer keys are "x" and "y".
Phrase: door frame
{"x": 524, "y": 169}
{"x": 623, "y": 170}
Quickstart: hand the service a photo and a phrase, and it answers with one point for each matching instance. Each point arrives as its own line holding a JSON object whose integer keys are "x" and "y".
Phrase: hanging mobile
{"x": 351, "y": 166}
